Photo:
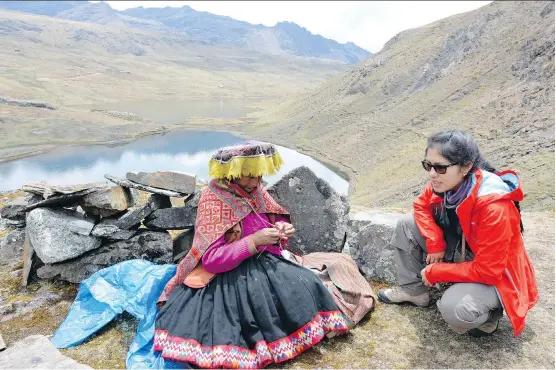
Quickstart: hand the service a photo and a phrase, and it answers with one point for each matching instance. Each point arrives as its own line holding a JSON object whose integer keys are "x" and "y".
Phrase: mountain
{"x": 76, "y": 65}
{"x": 202, "y": 27}
{"x": 489, "y": 71}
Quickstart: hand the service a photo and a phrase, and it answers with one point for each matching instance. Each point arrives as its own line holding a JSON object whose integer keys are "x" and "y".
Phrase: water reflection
{"x": 186, "y": 151}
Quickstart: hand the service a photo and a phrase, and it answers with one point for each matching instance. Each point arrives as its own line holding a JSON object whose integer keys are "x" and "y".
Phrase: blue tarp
{"x": 133, "y": 286}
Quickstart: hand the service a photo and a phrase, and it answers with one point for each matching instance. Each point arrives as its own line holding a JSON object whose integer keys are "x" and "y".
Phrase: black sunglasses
{"x": 439, "y": 168}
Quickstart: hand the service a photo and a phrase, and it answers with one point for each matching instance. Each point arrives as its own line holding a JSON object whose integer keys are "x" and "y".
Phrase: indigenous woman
{"x": 240, "y": 298}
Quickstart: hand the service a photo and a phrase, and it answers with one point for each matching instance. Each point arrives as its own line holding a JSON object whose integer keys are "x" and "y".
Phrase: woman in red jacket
{"x": 466, "y": 230}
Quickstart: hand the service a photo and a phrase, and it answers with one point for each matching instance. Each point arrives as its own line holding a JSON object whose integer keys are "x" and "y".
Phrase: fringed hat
{"x": 251, "y": 158}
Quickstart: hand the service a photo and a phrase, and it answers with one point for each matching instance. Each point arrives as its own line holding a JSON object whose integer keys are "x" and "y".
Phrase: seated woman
{"x": 239, "y": 298}
{"x": 466, "y": 230}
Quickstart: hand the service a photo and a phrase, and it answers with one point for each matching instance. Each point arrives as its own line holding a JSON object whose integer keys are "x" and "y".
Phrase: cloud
{"x": 369, "y": 24}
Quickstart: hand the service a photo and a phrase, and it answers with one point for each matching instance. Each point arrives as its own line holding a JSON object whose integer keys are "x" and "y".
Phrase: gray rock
{"x": 133, "y": 218}
{"x": 36, "y": 351}
{"x": 116, "y": 198}
{"x": 150, "y": 245}
{"x": 14, "y": 224}
{"x": 150, "y": 189}
{"x": 48, "y": 191}
{"x": 319, "y": 214}
{"x": 176, "y": 218}
{"x": 11, "y": 247}
{"x": 28, "y": 258}
{"x": 14, "y": 209}
{"x": 98, "y": 213}
{"x": 368, "y": 241}
{"x": 170, "y": 180}
{"x": 108, "y": 229}
{"x": 64, "y": 200}
{"x": 183, "y": 243}
{"x": 158, "y": 201}
{"x": 53, "y": 240}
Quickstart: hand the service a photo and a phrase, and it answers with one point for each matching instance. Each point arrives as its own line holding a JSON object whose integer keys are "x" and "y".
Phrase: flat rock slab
{"x": 169, "y": 180}
{"x": 153, "y": 246}
{"x": 367, "y": 242}
{"x": 63, "y": 200}
{"x": 319, "y": 214}
{"x": 132, "y": 219}
{"x": 116, "y": 198}
{"x": 150, "y": 189}
{"x": 36, "y": 351}
{"x": 176, "y": 218}
{"x": 57, "y": 234}
{"x": 48, "y": 191}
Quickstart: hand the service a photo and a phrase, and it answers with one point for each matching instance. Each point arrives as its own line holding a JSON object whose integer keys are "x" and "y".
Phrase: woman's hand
{"x": 435, "y": 257}
{"x": 267, "y": 236}
{"x": 287, "y": 228}
{"x": 424, "y": 276}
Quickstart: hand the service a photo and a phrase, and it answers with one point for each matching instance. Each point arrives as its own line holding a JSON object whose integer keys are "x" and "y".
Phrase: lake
{"x": 185, "y": 151}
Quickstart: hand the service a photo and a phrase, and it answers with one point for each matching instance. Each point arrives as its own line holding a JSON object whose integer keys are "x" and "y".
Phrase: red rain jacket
{"x": 491, "y": 226}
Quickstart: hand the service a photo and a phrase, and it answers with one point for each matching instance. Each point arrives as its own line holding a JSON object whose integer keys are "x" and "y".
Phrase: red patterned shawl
{"x": 221, "y": 206}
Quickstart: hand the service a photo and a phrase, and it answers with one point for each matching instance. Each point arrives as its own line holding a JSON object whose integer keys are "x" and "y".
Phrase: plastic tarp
{"x": 133, "y": 286}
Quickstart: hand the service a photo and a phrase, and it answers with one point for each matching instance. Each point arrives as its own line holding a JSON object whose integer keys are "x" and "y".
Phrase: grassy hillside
{"x": 489, "y": 71}
{"x": 70, "y": 64}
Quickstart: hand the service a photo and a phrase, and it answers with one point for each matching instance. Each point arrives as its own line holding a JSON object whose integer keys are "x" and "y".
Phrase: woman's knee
{"x": 461, "y": 311}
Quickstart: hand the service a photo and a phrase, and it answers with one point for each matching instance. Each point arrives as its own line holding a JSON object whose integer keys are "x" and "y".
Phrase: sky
{"x": 369, "y": 24}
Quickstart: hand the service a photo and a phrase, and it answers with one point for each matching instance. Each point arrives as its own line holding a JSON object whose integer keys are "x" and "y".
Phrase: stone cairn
{"x": 70, "y": 232}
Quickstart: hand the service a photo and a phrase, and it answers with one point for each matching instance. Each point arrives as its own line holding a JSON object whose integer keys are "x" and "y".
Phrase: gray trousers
{"x": 463, "y": 306}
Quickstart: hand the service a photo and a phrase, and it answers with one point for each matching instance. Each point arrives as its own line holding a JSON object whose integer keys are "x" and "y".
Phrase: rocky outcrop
{"x": 319, "y": 213}
{"x": 367, "y": 242}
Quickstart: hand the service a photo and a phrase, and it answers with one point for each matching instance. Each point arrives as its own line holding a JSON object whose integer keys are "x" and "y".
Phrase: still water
{"x": 185, "y": 151}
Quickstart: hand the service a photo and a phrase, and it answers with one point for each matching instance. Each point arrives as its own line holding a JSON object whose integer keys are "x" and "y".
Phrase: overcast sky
{"x": 369, "y": 24}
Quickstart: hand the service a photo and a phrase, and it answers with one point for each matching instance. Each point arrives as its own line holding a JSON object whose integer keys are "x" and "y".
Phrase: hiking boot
{"x": 488, "y": 327}
{"x": 397, "y": 295}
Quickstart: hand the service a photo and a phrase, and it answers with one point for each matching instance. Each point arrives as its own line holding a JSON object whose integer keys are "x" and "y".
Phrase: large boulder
{"x": 59, "y": 234}
{"x": 367, "y": 242}
{"x": 149, "y": 245}
{"x": 170, "y": 180}
{"x": 319, "y": 214}
{"x": 36, "y": 351}
{"x": 11, "y": 247}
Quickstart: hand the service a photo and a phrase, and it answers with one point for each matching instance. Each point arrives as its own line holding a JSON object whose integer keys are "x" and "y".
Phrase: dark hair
{"x": 460, "y": 147}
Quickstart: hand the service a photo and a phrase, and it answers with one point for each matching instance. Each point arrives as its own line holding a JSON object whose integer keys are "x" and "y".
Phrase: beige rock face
{"x": 116, "y": 198}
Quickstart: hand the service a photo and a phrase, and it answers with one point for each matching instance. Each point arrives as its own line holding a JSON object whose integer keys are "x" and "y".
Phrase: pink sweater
{"x": 222, "y": 257}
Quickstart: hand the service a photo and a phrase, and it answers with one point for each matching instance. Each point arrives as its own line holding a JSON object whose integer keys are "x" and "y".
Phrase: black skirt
{"x": 267, "y": 310}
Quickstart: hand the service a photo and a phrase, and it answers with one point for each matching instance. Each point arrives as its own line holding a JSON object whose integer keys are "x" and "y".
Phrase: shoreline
{"x": 341, "y": 170}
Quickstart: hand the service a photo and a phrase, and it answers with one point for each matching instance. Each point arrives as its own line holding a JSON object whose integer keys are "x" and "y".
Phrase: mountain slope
{"x": 202, "y": 27}
{"x": 489, "y": 71}
{"x": 72, "y": 65}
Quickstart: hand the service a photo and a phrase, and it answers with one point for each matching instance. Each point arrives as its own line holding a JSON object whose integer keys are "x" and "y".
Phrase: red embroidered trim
{"x": 190, "y": 350}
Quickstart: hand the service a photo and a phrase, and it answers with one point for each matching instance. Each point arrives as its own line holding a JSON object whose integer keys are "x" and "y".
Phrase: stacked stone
{"x": 73, "y": 231}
